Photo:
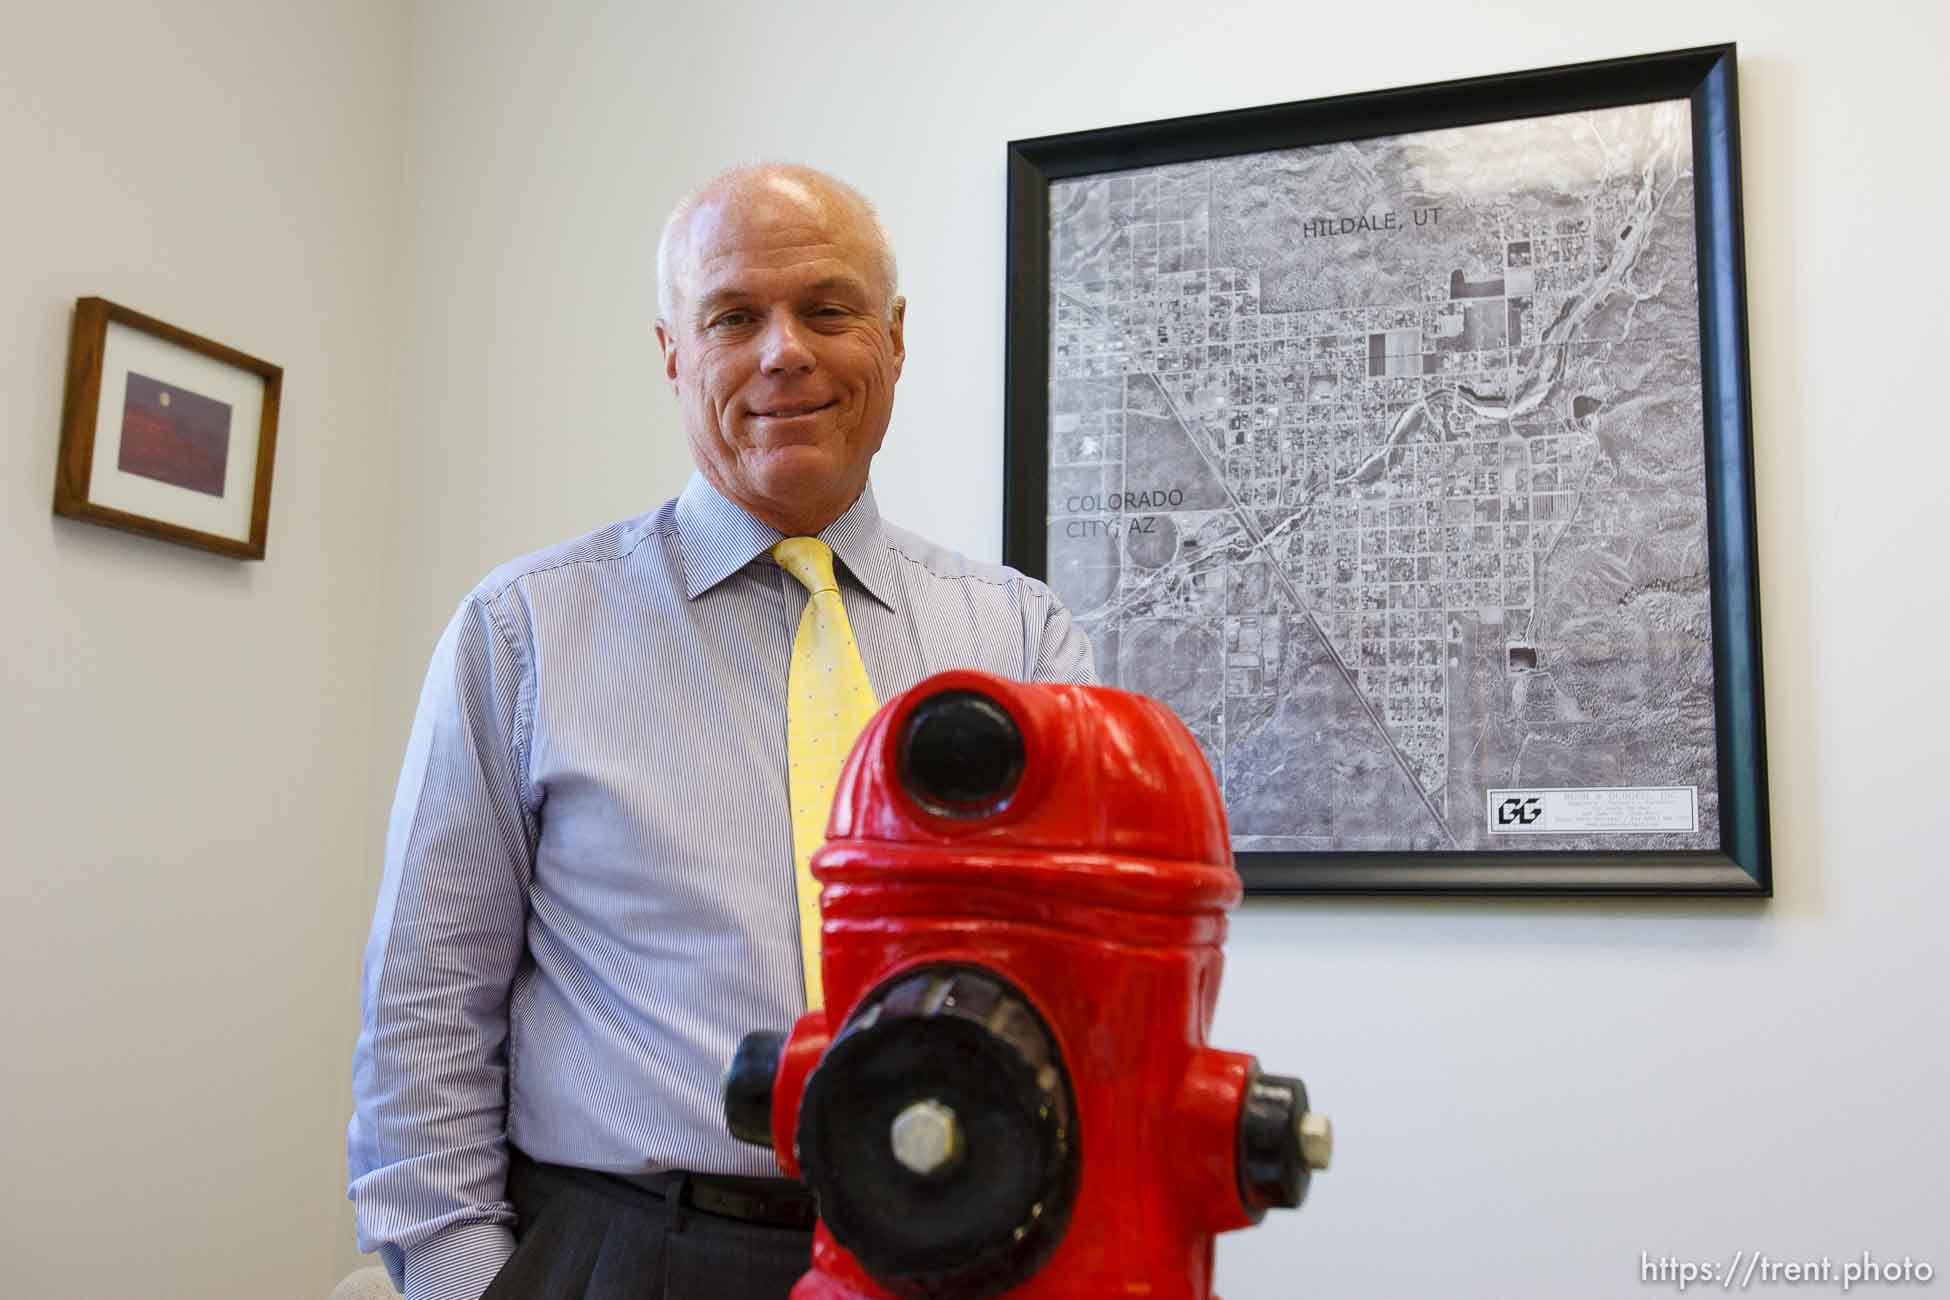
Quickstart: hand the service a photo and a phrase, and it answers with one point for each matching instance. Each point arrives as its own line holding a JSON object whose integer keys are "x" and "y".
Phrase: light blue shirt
{"x": 588, "y": 897}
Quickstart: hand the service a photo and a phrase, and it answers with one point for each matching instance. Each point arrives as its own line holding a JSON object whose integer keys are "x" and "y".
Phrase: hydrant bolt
{"x": 1316, "y": 1140}
{"x": 926, "y": 1136}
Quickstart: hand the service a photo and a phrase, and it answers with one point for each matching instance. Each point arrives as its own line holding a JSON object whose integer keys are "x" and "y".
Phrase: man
{"x": 590, "y": 886}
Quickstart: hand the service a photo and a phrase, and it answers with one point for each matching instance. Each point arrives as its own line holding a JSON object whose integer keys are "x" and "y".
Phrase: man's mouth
{"x": 791, "y": 410}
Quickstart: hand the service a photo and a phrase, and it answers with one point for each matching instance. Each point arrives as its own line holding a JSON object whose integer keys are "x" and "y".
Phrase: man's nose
{"x": 783, "y": 347}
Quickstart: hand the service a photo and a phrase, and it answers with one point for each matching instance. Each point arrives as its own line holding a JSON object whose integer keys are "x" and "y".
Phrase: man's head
{"x": 782, "y": 336}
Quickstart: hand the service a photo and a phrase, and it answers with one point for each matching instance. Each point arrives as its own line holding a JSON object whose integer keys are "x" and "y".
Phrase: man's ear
{"x": 668, "y": 342}
{"x": 897, "y": 331}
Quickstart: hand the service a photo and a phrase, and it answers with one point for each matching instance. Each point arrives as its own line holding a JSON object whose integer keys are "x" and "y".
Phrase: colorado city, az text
{"x": 1157, "y": 499}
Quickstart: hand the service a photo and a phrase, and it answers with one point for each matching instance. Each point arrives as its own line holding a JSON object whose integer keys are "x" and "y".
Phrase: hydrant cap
{"x": 971, "y": 759}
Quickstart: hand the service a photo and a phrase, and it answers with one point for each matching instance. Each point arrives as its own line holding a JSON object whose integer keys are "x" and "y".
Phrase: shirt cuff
{"x": 459, "y": 1263}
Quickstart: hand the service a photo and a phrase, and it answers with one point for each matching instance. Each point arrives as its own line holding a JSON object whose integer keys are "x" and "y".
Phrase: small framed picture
{"x": 166, "y": 433}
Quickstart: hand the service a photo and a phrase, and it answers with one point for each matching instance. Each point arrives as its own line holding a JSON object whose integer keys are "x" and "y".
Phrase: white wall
{"x": 1528, "y": 1094}
{"x": 185, "y": 740}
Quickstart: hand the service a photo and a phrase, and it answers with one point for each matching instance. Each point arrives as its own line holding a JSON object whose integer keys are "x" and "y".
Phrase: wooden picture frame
{"x": 1257, "y": 284}
{"x": 166, "y": 433}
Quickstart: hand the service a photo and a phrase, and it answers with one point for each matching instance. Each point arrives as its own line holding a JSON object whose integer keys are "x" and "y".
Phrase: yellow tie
{"x": 828, "y": 703}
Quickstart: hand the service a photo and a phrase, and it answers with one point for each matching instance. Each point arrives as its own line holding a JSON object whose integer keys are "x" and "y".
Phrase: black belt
{"x": 777, "y": 1201}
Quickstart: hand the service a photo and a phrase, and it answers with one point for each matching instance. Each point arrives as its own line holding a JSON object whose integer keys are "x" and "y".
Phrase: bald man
{"x": 589, "y": 891}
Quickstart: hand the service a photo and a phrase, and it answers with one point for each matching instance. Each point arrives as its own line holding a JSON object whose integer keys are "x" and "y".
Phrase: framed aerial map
{"x": 1400, "y": 443}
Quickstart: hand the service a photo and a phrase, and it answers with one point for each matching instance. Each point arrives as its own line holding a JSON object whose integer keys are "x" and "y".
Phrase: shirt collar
{"x": 718, "y": 538}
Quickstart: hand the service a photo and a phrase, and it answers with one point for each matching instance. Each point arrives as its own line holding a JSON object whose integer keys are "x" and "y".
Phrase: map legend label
{"x": 1599, "y": 810}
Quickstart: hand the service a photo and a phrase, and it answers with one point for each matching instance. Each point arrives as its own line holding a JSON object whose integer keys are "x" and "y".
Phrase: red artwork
{"x": 174, "y": 436}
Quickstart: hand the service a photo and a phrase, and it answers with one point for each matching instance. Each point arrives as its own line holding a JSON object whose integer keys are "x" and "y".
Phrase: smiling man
{"x": 783, "y": 336}
{"x": 591, "y": 890}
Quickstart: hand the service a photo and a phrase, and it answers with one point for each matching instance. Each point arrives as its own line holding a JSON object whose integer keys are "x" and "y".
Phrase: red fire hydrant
{"x": 1009, "y": 1090}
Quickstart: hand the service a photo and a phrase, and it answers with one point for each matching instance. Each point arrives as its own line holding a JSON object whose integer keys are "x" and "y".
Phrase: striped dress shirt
{"x": 588, "y": 897}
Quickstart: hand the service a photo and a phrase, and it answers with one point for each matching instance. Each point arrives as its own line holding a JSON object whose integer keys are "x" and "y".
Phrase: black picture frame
{"x": 1705, "y": 78}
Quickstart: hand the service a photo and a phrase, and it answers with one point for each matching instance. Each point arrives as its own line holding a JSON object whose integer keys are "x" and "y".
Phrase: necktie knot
{"x": 809, "y": 560}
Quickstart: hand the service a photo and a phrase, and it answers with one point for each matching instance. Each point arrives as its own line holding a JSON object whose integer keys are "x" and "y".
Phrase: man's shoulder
{"x": 577, "y": 557}
{"x": 1000, "y": 615}
{"x": 926, "y": 559}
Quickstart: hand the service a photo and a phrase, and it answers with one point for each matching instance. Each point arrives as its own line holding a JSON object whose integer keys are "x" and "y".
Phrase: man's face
{"x": 783, "y": 352}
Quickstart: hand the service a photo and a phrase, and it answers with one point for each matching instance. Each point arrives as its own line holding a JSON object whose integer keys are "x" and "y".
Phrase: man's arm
{"x": 1063, "y": 652}
{"x": 428, "y": 1138}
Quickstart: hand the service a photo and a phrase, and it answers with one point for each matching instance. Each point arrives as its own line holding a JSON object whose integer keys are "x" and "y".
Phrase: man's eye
{"x": 731, "y": 320}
